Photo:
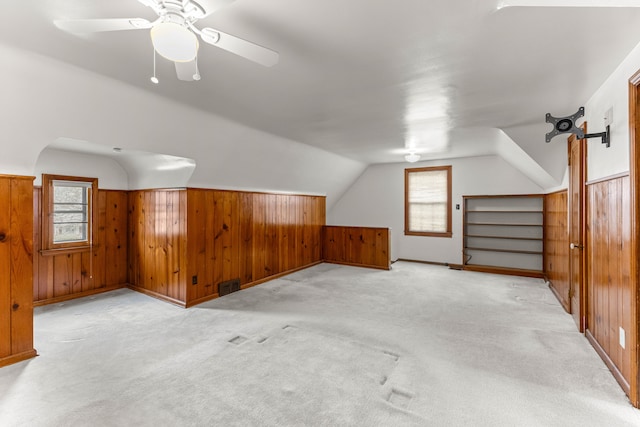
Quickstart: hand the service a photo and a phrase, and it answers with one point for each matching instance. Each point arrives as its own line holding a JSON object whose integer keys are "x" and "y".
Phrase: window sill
{"x": 416, "y": 233}
{"x": 70, "y": 250}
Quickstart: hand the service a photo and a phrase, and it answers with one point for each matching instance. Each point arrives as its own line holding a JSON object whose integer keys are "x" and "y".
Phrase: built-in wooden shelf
{"x": 538, "y": 239}
{"x": 513, "y": 251}
{"x": 502, "y": 224}
{"x": 503, "y": 233}
{"x": 501, "y": 211}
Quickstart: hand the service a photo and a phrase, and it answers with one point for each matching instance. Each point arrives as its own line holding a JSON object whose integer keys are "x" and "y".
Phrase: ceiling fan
{"x": 174, "y": 35}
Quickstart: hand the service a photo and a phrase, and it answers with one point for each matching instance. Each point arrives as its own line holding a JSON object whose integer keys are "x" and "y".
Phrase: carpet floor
{"x": 331, "y": 345}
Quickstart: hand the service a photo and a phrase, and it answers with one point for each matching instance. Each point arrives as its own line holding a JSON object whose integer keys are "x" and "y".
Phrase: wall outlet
{"x": 194, "y": 280}
{"x": 608, "y": 117}
{"x": 622, "y": 338}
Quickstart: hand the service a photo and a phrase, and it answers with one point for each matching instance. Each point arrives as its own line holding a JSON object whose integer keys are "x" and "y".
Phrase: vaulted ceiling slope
{"x": 365, "y": 80}
{"x": 48, "y": 99}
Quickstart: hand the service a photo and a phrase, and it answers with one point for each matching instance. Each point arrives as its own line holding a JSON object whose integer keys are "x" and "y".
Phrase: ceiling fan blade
{"x": 186, "y": 70}
{"x": 210, "y": 6}
{"x": 99, "y": 25}
{"x": 569, "y": 3}
{"x": 240, "y": 47}
{"x": 150, "y": 3}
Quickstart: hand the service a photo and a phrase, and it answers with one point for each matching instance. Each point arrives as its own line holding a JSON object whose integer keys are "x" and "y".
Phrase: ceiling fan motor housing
{"x": 188, "y": 12}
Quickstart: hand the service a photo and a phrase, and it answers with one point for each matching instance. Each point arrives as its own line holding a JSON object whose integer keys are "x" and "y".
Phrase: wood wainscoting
{"x": 358, "y": 246}
{"x": 16, "y": 265}
{"x": 64, "y": 274}
{"x": 609, "y": 285}
{"x": 556, "y": 246}
{"x": 157, "y": 243}
{"x": 184, "y": 243}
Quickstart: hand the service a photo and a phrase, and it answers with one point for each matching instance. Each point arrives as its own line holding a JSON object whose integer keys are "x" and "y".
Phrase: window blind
{"x": 428, "y": 201}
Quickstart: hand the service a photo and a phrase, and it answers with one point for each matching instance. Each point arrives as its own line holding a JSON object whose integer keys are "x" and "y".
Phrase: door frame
{"x": 581, "y": 321}
{"x": 634, "y": 183}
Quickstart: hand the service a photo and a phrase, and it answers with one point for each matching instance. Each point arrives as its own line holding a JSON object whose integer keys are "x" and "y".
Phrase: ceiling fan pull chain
{"x": 197, "y": 76}
{"x": 154, "y": 79}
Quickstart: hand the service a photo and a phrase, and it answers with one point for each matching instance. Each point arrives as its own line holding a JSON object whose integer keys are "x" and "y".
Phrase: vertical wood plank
{"x": 98, "y": 267}
{"x": 219, "y": 231}
{"x": 5, "y": 266}
{"x": 160, "y": 232}
{"x": 609, "y": 287}
{"x": 246, "y": 238}
{"x": 259, "y": 230}
{"x": 76, "y": 273}
{"x": 36, "y": 243}
{"x": 556, "y": 246}
{"x": 173, "y": 255}
{"x": 234, "y": 242}
{"x": 182, "y": 245}
{"x": 115, "y": 237}
{"x": 21, "y": 232}
{"x": 150, "y": 241}
{"x": 624, "y": 301}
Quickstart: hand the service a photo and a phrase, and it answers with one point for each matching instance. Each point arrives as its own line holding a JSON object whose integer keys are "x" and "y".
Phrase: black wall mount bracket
{"x": 568, "y": 125}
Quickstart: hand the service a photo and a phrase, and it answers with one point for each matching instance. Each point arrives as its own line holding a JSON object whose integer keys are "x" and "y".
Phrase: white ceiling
{"x": 365, "y": 79}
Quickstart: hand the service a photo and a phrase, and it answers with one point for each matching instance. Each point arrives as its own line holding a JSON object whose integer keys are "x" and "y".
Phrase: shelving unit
{"x": 504, "y": 234}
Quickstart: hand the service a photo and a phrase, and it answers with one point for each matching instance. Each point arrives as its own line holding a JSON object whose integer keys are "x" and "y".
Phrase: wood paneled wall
{"x": 249, "y": 236}
{"x": 157, "y": 243}
{"x": 359, "y": 246}
{"x": 556, "y": 246}
{"x": 16, "y": 269}
{"x": 64, "y": 274}
{"x": 609, "y": 284}
{"x": 184, "y": 243}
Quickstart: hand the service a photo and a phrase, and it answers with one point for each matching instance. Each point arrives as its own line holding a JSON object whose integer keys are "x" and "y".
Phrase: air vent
{"x": 229, "y": 286}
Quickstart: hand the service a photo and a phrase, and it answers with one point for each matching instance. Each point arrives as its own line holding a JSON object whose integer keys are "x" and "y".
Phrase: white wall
{"x": 376, "y": 199}
{"x": 44, "y": 99}
{"x": 602, "y": 161}
{"x": 109, "y": 173}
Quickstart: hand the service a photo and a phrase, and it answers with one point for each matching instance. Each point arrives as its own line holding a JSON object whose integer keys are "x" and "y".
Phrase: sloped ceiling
{"x": 365, "y": 80}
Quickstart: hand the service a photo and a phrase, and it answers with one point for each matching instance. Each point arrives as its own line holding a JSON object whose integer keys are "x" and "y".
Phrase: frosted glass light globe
{"x": 174, "y": 42}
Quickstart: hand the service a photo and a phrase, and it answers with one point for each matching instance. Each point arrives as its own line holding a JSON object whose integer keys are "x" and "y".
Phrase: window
{"x": 427, "y": 204}
{"x": 67, "y": 204}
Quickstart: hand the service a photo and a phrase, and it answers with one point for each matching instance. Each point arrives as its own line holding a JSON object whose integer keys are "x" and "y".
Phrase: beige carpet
{"x": 328, "y": 346}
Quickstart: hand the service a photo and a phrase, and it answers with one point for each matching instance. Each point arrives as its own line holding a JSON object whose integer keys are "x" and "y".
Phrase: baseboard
{"x": 559, "y": 298}
{"x": 157, "y": 295}
{"x": 19, "y": 357}
{"x": 201, "y": 300}
{"x": 352, "y": 264}
{"x": 444, "y": 264}
{"x": 252, "y": 284}
{"x": 506, "y": 271}
{"x": 607, "y": 361}
{"x": 68, "y": 297}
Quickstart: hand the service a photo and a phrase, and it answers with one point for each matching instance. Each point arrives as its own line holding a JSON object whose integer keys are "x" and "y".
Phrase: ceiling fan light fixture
{"x": 412, "y": 157}
{"x": 174, "y": 42}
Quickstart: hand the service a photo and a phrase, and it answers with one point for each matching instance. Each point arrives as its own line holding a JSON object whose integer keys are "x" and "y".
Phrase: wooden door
{"x": 577, "y": 162}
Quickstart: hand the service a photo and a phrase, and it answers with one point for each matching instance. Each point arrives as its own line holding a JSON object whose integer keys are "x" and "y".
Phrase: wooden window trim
{"x": 47, "y": 213}
{"x": 408, "y": 232}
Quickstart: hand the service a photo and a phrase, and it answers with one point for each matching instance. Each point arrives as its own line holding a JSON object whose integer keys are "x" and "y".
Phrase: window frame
{"x": 409, "y": 232}
{"x": 48, "y": 212}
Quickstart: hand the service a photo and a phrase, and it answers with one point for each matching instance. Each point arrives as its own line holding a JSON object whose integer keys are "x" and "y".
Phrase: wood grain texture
{"x": 67, "y": 273}
{"x": 248, "y": 236}
{"x": 577, "y": 157}
{"x": 16, "y": 263}
{"x": 556, "y": 246}
{"x": 157, "y": 243}
{"x": 609, "y": 286}
{"x": 358, "y": 246}
{"x": 634, "y": 207}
